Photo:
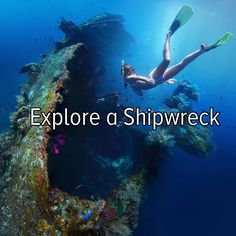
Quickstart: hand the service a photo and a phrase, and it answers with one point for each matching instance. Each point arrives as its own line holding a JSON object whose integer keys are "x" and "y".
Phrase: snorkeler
{"x": 163, "y": 74}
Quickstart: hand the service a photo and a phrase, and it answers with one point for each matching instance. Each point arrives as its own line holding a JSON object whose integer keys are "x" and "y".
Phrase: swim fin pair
{"x": 184, "y": 15}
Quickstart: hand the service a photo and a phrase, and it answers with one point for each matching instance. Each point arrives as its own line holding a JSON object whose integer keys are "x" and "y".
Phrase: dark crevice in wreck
{"x": 91, "y": 155}
{"x": 94, "y": 159}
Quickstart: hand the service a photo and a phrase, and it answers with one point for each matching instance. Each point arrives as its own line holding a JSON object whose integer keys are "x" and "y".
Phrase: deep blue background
{"x": 192, "y": 196}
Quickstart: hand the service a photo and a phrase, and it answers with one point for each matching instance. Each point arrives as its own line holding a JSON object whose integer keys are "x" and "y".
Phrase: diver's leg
{"x": 159, "y": 71}
{"x": 174, "y": 70}
{"x": 166, "y": 51}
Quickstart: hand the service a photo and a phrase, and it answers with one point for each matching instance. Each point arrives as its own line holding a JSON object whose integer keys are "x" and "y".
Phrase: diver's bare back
{"x": 139, "y": 82}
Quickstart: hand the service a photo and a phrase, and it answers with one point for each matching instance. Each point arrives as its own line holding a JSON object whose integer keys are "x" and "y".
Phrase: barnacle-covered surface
{"x": 26, "y": 197}
{"x": 196, "y": 140}
{"x": 120, "y": 216}
{"x": 183, "y": 97}
{"x": 193, "y": 139}
{"x": 26, "y": 201}
{"x": 161, "y": 138}
{"x": 33, "y": 198}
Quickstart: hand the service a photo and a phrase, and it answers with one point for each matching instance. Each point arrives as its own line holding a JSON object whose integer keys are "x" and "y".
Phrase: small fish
{"x": 56, "y": 149}
{"x": 100, "y": 100}
{"x": 43, "y": 56}
{"x": 60, "y": 139}
{"x": 79, "y": 186}
{"x": 4, "y": 109}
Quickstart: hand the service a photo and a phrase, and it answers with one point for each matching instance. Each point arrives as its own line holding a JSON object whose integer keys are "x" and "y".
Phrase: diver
{"x": 163, "y": 74}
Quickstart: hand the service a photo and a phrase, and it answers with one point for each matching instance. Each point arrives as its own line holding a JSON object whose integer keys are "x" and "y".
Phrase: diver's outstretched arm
{"x": 174, "y": 70}
{"x": 159, "y": 71}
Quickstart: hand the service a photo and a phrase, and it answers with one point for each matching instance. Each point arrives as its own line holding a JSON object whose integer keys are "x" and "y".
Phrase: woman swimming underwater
{"x": 163, "y": 74}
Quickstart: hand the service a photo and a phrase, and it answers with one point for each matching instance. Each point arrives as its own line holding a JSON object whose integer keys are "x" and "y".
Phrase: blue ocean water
{"x": 192, "y": 196}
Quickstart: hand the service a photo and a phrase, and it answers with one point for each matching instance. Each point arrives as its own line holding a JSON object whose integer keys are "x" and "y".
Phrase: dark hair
{"x": 127, "y": 70}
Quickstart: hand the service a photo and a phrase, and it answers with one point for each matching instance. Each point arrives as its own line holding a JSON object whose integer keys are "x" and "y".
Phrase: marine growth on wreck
{"x": 84, "y": 180}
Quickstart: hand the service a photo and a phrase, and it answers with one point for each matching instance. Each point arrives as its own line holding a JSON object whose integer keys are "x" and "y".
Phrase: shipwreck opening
{"x": 91, "y": 161}
{"x": 88, "y": 161}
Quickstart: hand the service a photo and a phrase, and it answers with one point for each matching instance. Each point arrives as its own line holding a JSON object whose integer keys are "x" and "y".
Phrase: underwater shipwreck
{"x": 84, "y": 180}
